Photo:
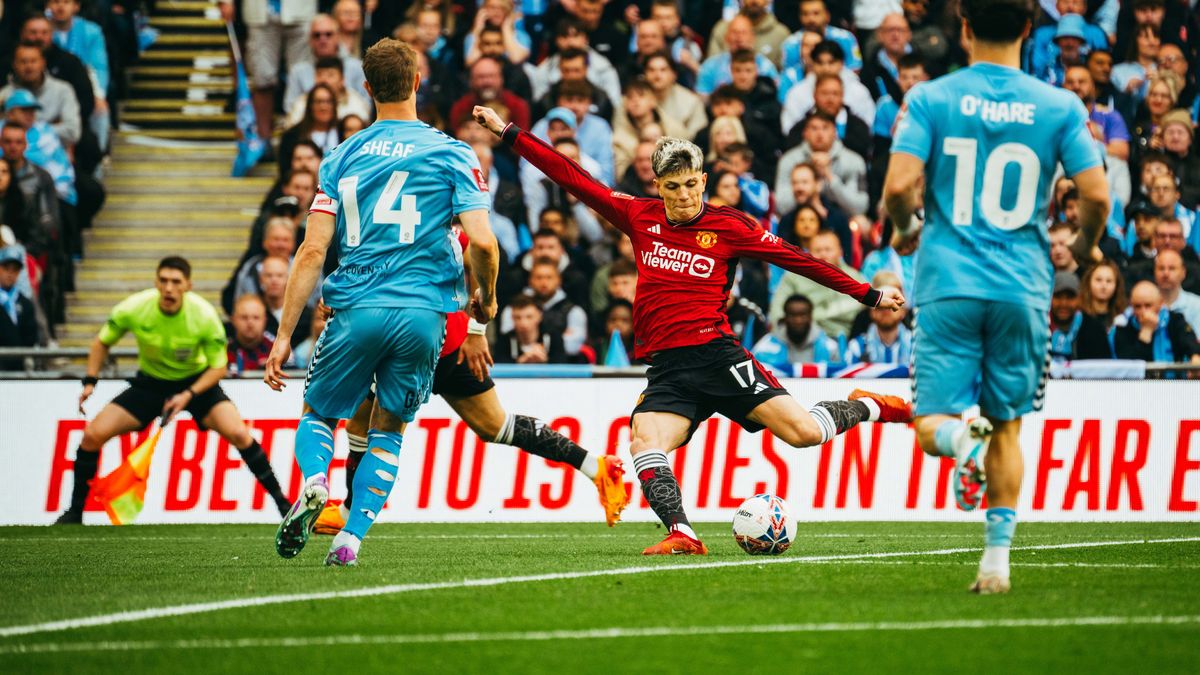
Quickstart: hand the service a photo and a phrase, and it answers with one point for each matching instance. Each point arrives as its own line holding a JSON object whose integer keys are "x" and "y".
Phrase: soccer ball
{"x": 762, "y": 525}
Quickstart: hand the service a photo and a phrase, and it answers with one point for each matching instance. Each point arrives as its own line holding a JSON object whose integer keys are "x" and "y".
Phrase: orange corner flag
{"x": 122, "y": 493}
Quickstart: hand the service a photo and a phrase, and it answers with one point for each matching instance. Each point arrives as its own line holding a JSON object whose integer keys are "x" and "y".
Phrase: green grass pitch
{"x": 848, "y": 597}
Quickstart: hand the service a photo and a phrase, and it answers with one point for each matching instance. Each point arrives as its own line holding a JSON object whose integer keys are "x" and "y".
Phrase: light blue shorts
{"x": 971, "y": 351}
{"x": 395, "y": 347}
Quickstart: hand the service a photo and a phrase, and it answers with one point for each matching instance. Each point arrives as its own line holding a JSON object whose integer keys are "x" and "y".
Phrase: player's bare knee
{"x": 800, "y": 434}
{"x": 93, "y": 439}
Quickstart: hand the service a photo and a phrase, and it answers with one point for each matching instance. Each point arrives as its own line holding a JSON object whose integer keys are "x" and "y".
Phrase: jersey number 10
{"x": 407, "y": 216}
{"x": 964, "y": 152}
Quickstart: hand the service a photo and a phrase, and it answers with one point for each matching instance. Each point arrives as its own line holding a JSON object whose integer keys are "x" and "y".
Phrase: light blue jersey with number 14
{"x": 990, "y": 137}
{"x": 394, "y": 188}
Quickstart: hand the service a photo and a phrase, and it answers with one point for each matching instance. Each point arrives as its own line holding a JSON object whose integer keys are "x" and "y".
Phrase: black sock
{"x": 835, "y": 417}
{"x": 533, "y": 436}
{"x": 260, "y": 466}
{"x": 86, "y": 463}
{"x": 660, "y": 487}
{"x": 352, "y": 460}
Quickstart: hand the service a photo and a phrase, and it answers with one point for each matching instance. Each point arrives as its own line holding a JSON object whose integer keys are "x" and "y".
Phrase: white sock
{"x": 686, "y": 529}
{"x": 504, "y": 436}
{"x": 357, "y": 443}
{"x": 344, "y": 538}
{"x": 824, "y": 422}
{"x": 316, "y": 476}
{"x": 590, "y": 466}
{"x": 995, "y": 561}
{"x": 872, "y": 408}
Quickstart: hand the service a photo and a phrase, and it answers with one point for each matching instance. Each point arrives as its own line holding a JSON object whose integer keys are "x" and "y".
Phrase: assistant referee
{"x": 181, "y": 360}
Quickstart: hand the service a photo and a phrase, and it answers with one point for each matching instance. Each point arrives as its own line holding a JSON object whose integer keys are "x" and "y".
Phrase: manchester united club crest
{"x": 706, "y": 239}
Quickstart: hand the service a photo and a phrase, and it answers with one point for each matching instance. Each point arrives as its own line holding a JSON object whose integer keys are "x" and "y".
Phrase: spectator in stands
{"x": 59, "y": 63}
{"x": 900, "y": 261}
{"x": 18, "y": 316}
{"x": 302, "y": 353}
{"x": 828, "y": 59}
{"x": 318, "y": 125}
{"x": 43, "y": 147}
{"x": 540, "y": 192}
{"x": 1102, "y": 293}
{"x": 738, "y": 160}
{"x": 1153, "y": 332}
{"x": 278, "y": 241}
{"x": 329, "y": 72}
{"x": 1071, "y": 48}
{"x": 249, "y": 344}
{"x": 1173, "y": 59}
{"x": 306, "y": 156}
{"x": 560, "y": 316}
{"x": 1169, "y": 274}
{"x": 275, "y": 33}
{"x": 14, "y": 212}
{"x": 1177, "y": 140}
{"x": 640, "y": 110}
{"x": 682, "y": 48}
{"x": 592, "y": 132}
{"x": 887, "y": 339}
{"x": 648, "y": 40}
{"x": 1062, "y": 234}
{"x": 768, "y": 33}
{"x": 842, "y": 172}
{"x": 548, "y": 244}
{"x": 1162, "y": 94}
{"x": 762, "y": 132}
{"x": 1074, "y": 333}
{"x": 829, "y": 97}
{"x": 491, "y": 43}
{"x": 757, "y": 92}
{"x": 802, "y": 224}
{"x": 498, "y": 15}
{"x": 639, "y": 178}
{"x": 616, "y": 318}
{"x": 323, "y": 41}
{"x": 486, "y": 88}
{"x": 599, "y": 292}
{"x": 1168, "y": 236}
{"x": 674, "y": 100}
{"x": 1107, "y": 125}
{"x": 527, "y": 341}
{"x": 85, "y": 40}
{"x": 430, "y": 37}
{"x": 569, "y": 37}
{"x": 59, "y": 107}
{"x": 1100, "y": 65}
{"x": 1132, "y": 75}
{"x": 573, "y": 68}
{"x": 349, "y": 17}
{"x": 833, "y": 311}
{"x": 790, "y": 76}
{"x": 45, "y": 239}
{"x": 350, "y": 125}
{"x": 717, "y": 68}
{"x": 814, "y": 18}
{"x": 911, "y": 70}
{"x": 272, "y": 279}
{"x": 1164, "y": 196}
{"x": 881, "y": 73}
{"x": 795, "y": 339}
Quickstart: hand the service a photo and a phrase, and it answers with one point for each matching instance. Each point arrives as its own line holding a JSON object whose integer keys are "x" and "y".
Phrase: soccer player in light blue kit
{"x": 387, "y": 197}
{"x": 979, "y": 148}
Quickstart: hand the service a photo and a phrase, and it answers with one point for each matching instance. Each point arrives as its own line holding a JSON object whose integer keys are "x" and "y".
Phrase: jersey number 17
{"x": 407, "y": 216}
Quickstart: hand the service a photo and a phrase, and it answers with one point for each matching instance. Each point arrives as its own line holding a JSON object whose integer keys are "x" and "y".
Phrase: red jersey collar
{"x": 691, "y": 221}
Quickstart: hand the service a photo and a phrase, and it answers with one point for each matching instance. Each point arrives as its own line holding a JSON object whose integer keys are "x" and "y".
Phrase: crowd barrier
{"x": 1100, "y": 451}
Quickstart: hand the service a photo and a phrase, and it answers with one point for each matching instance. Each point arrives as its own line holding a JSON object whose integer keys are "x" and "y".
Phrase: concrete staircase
{"x": 169, "y": 188}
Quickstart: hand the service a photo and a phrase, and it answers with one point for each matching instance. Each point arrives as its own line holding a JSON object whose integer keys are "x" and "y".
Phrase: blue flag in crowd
{"x": 616, "y": 356}
{"x": 250, "y": 148}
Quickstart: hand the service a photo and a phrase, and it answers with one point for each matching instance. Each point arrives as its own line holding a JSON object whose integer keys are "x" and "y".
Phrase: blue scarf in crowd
{"x": 874, "y": 351}
{"x": 1062, "y": 344}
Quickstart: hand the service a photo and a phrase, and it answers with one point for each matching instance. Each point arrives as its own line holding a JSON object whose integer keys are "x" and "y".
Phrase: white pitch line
{"x": 596, "y": 633}
{"x": 800, "y": 536}
{"x": 393, "y": 589}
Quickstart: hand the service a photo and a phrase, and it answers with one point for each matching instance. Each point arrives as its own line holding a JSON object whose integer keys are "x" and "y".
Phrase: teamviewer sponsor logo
{"x": 677, "y": 260}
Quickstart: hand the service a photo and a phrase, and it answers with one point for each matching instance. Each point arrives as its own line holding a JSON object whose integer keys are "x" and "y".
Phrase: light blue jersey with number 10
{"x": 394, "y": 188}
{"x": 990, "y": 137}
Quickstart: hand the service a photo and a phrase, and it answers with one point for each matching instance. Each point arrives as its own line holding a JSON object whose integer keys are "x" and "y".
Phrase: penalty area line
{"x": 595, "y": 633}
{"x": 395, "y": 589}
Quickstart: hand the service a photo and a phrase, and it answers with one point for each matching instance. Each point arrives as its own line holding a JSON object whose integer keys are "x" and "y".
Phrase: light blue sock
{"x": 314, "y": 445}
{"x": 944, "y": 435}
{"x": 1001, "y": 523}
{"x": 373, "y": 480}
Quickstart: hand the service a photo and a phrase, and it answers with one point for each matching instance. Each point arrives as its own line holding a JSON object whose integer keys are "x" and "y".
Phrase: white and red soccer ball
{"x": 762, "y": 526}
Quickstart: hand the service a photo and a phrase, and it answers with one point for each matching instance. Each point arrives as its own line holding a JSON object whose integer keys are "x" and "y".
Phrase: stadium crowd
{"x": 793, "y": 104}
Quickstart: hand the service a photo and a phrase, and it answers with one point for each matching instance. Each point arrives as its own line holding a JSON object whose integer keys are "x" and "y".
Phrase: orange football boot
{"x": 891, "y": 408}
{"x": 677, "y": 543}
{"x": 610, "y": 483}
{"x": 330, "y": 521}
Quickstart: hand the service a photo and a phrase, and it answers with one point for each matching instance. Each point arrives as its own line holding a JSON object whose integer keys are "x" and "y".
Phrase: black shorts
{"x": 456, "y": 380}
{"x": 716, "y": 377}
{"x": 145, "y": 397}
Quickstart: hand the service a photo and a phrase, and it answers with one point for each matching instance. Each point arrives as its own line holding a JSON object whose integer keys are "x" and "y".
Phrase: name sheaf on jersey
{"x": 997, "y": 111}
{"x": 386, "y": 149}
{"x": 671, "y": 259}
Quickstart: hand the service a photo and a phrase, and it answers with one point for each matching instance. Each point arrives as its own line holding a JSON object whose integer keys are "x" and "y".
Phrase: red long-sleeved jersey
{"x": 685, "y": 270}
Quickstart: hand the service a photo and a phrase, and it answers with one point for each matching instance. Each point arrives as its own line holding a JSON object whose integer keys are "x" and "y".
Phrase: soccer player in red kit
{"x": 686, "y": 252}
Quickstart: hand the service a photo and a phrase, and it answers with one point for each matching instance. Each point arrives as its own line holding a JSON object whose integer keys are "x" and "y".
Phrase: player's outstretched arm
{"x": 483, "y": 262}
{"x": 303, "y": 278}
{"x": 1093, "y": 214}
{"x": 560, "y": 169}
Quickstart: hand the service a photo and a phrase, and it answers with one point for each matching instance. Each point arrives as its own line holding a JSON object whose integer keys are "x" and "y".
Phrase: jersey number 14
{"x": 1029, "y": 167}
{"x": 407, "y": 216}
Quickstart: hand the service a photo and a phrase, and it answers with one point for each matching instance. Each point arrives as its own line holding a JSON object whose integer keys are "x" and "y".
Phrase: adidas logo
{"x": 655, "y": 229}
{"x": 759, "y": 387}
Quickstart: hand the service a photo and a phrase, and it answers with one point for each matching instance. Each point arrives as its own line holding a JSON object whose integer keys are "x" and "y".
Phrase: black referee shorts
{"x": 715, "y": 377}
{"x": 146, "y": 396}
